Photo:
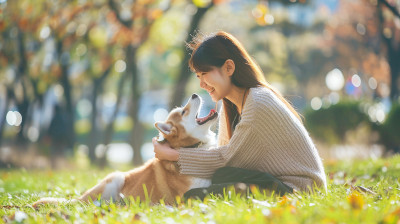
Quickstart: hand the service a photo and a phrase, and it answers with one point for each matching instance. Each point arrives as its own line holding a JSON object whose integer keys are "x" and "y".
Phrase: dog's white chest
{"x": 200, "y": 182}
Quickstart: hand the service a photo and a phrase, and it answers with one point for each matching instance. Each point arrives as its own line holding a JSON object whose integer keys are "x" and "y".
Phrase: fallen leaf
{"x": 356, "y": 200}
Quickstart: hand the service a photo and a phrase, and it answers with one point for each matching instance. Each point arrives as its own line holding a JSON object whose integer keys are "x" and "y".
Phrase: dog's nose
{"x": 194, "y": 96}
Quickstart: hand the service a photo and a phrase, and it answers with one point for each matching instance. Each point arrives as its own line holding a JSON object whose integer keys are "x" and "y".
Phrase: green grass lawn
{"x": 358, "y": 192}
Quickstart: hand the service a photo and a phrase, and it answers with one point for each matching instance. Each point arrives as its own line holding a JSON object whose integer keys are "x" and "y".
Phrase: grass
{"x": 358, "y": 192}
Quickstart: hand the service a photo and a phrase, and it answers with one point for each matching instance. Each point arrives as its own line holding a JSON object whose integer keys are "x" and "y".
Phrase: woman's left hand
{"x": 164, "y": 151}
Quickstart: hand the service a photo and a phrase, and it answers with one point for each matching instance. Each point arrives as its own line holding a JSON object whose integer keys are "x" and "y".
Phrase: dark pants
{"x": 240, "y": 179}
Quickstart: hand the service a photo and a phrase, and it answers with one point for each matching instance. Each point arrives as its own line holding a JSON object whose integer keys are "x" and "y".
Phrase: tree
{"x": 133, "y": 32}
{"x": 20, "y": 44}
{"x": 184, "y": 73}
{"x": 388, "y": 12}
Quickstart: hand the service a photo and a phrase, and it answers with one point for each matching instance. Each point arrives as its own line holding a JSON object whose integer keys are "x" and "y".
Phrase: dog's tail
{"x": 53, "y": 201}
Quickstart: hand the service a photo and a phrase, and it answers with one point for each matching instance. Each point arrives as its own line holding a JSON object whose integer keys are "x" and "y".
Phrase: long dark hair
{"x": 213, "y": 50}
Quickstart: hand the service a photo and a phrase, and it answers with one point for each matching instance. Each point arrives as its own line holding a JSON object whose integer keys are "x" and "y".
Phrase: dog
{"x": 157, "y": 179}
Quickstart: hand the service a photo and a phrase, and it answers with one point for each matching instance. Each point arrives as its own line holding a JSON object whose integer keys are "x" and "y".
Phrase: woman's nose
{"x": 203, "y": 84}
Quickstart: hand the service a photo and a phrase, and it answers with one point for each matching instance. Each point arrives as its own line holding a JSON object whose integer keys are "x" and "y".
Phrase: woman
{"x": 261, "y": 138}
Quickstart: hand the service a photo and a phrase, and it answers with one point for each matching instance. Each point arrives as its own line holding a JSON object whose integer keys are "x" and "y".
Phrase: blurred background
{"x": 83, "y": 81}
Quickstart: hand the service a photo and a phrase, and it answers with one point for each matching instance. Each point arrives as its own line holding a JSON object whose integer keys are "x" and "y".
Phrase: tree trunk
{"x": 109, "y": 131}
{"x": 184, "y": 74}
{"x": 9, "y": 96}
{"x": 69, "y": 108}
{"x": 137, "y": 134}
{"x": 21, "y": 70}
{"x": 394, "y": 63}
{"x": 94, "y": 133}
{"x": 393, "y": 53}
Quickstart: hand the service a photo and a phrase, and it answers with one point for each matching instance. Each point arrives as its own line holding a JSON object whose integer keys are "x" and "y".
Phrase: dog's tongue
{"x": 204, "y": 119}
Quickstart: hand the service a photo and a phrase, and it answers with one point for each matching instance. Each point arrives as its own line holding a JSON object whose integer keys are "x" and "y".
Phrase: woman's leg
{"x": 233, "y": 176}
{"x": 238, "y": 175}
{"x": 201, "y": 193}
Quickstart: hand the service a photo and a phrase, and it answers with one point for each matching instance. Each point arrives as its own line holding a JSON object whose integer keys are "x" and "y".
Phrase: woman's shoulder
{"x": 261, "y": 95}
{"x": 265, "y": 101}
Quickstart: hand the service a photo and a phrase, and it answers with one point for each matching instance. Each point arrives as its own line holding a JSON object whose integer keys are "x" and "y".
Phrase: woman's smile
{"x": 210, "y": 91}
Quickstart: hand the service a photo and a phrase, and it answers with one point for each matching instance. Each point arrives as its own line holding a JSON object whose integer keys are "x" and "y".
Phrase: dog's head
{"x": 183, "y": 127}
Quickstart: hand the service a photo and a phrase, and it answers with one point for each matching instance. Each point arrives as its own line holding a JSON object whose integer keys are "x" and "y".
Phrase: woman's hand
{"x": 164, "y": 151}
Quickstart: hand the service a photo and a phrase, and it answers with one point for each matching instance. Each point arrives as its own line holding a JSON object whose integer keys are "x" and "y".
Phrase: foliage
{"x": 331, "y": 124}
{"x": 359, "y": 192}
{"x": 389, "y": 131}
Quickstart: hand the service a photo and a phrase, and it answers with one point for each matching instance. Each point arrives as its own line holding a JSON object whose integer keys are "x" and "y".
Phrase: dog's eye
{"x": 183, "y": 112}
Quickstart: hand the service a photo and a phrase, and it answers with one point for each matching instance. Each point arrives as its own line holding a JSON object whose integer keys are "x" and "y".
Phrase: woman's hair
{"x": 213, "y": 50}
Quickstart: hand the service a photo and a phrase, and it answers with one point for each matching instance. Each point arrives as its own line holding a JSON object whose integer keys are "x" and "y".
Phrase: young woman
{"x": 261, "y": 138}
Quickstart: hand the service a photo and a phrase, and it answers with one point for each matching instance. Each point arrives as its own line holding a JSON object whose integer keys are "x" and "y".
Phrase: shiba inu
{"x": 158, "y": 179}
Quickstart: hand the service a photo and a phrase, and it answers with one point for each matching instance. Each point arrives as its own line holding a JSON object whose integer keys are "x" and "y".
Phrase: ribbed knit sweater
{"x": 268, "y": 138}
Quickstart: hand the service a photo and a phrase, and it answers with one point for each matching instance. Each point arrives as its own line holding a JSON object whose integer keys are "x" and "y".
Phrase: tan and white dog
{"x": 161, "y": 179}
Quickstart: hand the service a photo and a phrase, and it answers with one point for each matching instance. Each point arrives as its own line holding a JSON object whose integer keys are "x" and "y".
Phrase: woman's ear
{"x": 229, "y": 67}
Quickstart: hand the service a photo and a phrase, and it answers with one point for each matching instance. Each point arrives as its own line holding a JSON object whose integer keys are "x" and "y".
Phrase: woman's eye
{"x": 200, "y": 74}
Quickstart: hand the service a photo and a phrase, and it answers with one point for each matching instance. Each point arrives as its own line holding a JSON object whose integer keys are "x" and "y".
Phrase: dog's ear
{"x": 163, "y": 127}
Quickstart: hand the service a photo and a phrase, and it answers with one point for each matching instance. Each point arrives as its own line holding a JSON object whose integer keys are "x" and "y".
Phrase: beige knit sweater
{"x": 268, "y": 138}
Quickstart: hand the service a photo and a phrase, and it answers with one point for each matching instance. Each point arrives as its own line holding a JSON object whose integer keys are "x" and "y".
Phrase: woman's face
{"x": 216, "y": 82}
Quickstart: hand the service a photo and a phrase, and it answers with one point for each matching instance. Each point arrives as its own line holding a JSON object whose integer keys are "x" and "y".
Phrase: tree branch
{"x": 114, "y": 8}
{"x": 390, "y": 7}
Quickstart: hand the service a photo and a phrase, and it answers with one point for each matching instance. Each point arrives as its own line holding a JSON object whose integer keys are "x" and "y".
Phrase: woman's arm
{"x": 165, "y": 152}
{"x": 223, "y": 138}
{"x": 243, "y": 150}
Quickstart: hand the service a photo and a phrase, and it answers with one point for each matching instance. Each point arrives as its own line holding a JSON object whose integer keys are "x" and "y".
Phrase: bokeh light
{"x": 100, "y": 151}
{"x": 14, "y": 118}
{"x": 11, "y": 118}
{"x": 81, "y": 49}
{"x": 119, "y": 153}
{"x": 45, "y": 32}
{"x": 376, "y": 113}
{"x": 147, "y": 151}
{"x": 120, "y": 66}
{"x": 58, "y": 91}
{"x": 334, "y": 97}
{"x": 269, "y": 19}
{"x": 356, "y": 80}
{"x": 33, "y": 134}
{"x": 361, "y": 29}
{"x": 373, "y": 84}
{"x": 84, "y": 107}
{"x": 81, "y": 30}
{"x": 316, "y": 103}
{"x": 334, "y": 80}
{"x": 160, "y": 114}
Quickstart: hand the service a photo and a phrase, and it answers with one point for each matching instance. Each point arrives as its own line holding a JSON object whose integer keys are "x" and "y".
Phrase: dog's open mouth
{"x": 213, "y": 114}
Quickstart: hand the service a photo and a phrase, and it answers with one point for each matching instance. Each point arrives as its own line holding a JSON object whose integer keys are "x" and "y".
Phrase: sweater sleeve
{"x": 201, "y": 162}
{"x": 223, "y": 138}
